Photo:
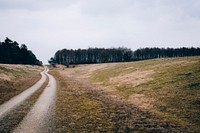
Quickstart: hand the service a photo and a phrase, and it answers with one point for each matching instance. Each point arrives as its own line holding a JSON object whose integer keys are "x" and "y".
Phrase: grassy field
{"x": 162, "y": 94}
{"x": 168, "y": 87}
{"x": 16, "y": 78}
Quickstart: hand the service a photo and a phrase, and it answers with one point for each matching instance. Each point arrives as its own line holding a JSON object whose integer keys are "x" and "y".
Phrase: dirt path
{"x": 17, "y": 100}
{"x": 41, "y": 116}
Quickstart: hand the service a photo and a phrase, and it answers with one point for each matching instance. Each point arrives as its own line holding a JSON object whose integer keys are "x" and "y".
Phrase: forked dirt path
{"x": 41, "y": 116}
{"x": 10, "y": 105}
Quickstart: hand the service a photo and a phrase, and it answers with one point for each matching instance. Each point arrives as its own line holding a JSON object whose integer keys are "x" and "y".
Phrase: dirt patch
{"x": 135, "y": 78}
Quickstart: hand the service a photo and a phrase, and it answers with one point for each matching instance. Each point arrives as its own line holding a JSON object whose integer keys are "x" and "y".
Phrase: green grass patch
{"x": 5, "y": 70}
{"x": 15, "y": 72}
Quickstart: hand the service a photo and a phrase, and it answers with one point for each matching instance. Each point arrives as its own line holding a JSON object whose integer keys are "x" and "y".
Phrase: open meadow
{"x": 160, "y": 95}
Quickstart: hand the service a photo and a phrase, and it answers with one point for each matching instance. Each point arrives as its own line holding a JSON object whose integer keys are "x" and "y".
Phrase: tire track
{"x": 12, "y": 120}
{"x": 41, "y": 116}
{"x": 16, "y": 101}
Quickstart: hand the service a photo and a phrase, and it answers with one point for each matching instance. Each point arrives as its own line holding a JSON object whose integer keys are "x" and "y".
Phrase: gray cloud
{"x": 51, "y": 25}
{"x": 34, "y": 5}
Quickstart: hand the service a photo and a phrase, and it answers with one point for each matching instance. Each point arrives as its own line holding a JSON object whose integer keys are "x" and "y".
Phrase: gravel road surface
{"x": 41, "y": 116}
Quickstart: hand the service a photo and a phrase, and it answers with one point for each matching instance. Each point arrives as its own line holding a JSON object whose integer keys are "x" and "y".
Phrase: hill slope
{"x": 169, "y": 88}
{"x": 16, "y": 78}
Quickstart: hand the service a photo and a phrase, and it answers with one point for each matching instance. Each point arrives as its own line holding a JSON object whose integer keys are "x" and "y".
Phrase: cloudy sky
{"x": 46, "y": 26}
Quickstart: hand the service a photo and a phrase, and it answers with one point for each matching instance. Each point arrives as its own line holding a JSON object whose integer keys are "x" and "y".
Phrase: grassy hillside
{"x": 16, "y": 78}
{"x": 168, "y": 87}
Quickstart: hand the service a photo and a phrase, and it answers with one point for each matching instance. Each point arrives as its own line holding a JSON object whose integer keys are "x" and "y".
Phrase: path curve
{"x": 41, "y": 116}
{"x": 14, "y": 102}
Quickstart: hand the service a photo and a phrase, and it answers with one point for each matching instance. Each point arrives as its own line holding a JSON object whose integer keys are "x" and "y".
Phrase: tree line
{"x": 121, "y": 54}
{"x": 151, "y": 53}
{"x": 12, "y": 53}
{"x": 91, "y": 55}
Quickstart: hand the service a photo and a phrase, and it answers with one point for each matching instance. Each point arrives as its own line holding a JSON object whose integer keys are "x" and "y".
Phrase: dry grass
{"x": 76, "y": 111}
{"x": 83, "y": 106}
{"x": 134, "y": 78}
{"x": 168, "y": 88}
{"x": 172, "y": 91}
{"x": 16, "y": 78}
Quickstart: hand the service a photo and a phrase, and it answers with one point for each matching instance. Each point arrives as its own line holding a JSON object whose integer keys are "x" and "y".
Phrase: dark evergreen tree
{"x": 11, "y": 53}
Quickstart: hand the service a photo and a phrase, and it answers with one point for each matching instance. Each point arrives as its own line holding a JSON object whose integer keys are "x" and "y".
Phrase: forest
{"x": 12, "y": 53}
{"x": 121, "y": 54}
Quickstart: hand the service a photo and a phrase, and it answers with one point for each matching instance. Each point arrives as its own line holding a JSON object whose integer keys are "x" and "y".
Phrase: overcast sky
{"x": 46, "y": 26}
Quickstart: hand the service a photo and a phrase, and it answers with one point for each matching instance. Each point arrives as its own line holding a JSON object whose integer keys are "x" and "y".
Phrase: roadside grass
{"x": 174, "y": 86}
{"x": 16, "y": 78}
{"x": 76, "y": 110}
{"x": 11, "y": 121}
